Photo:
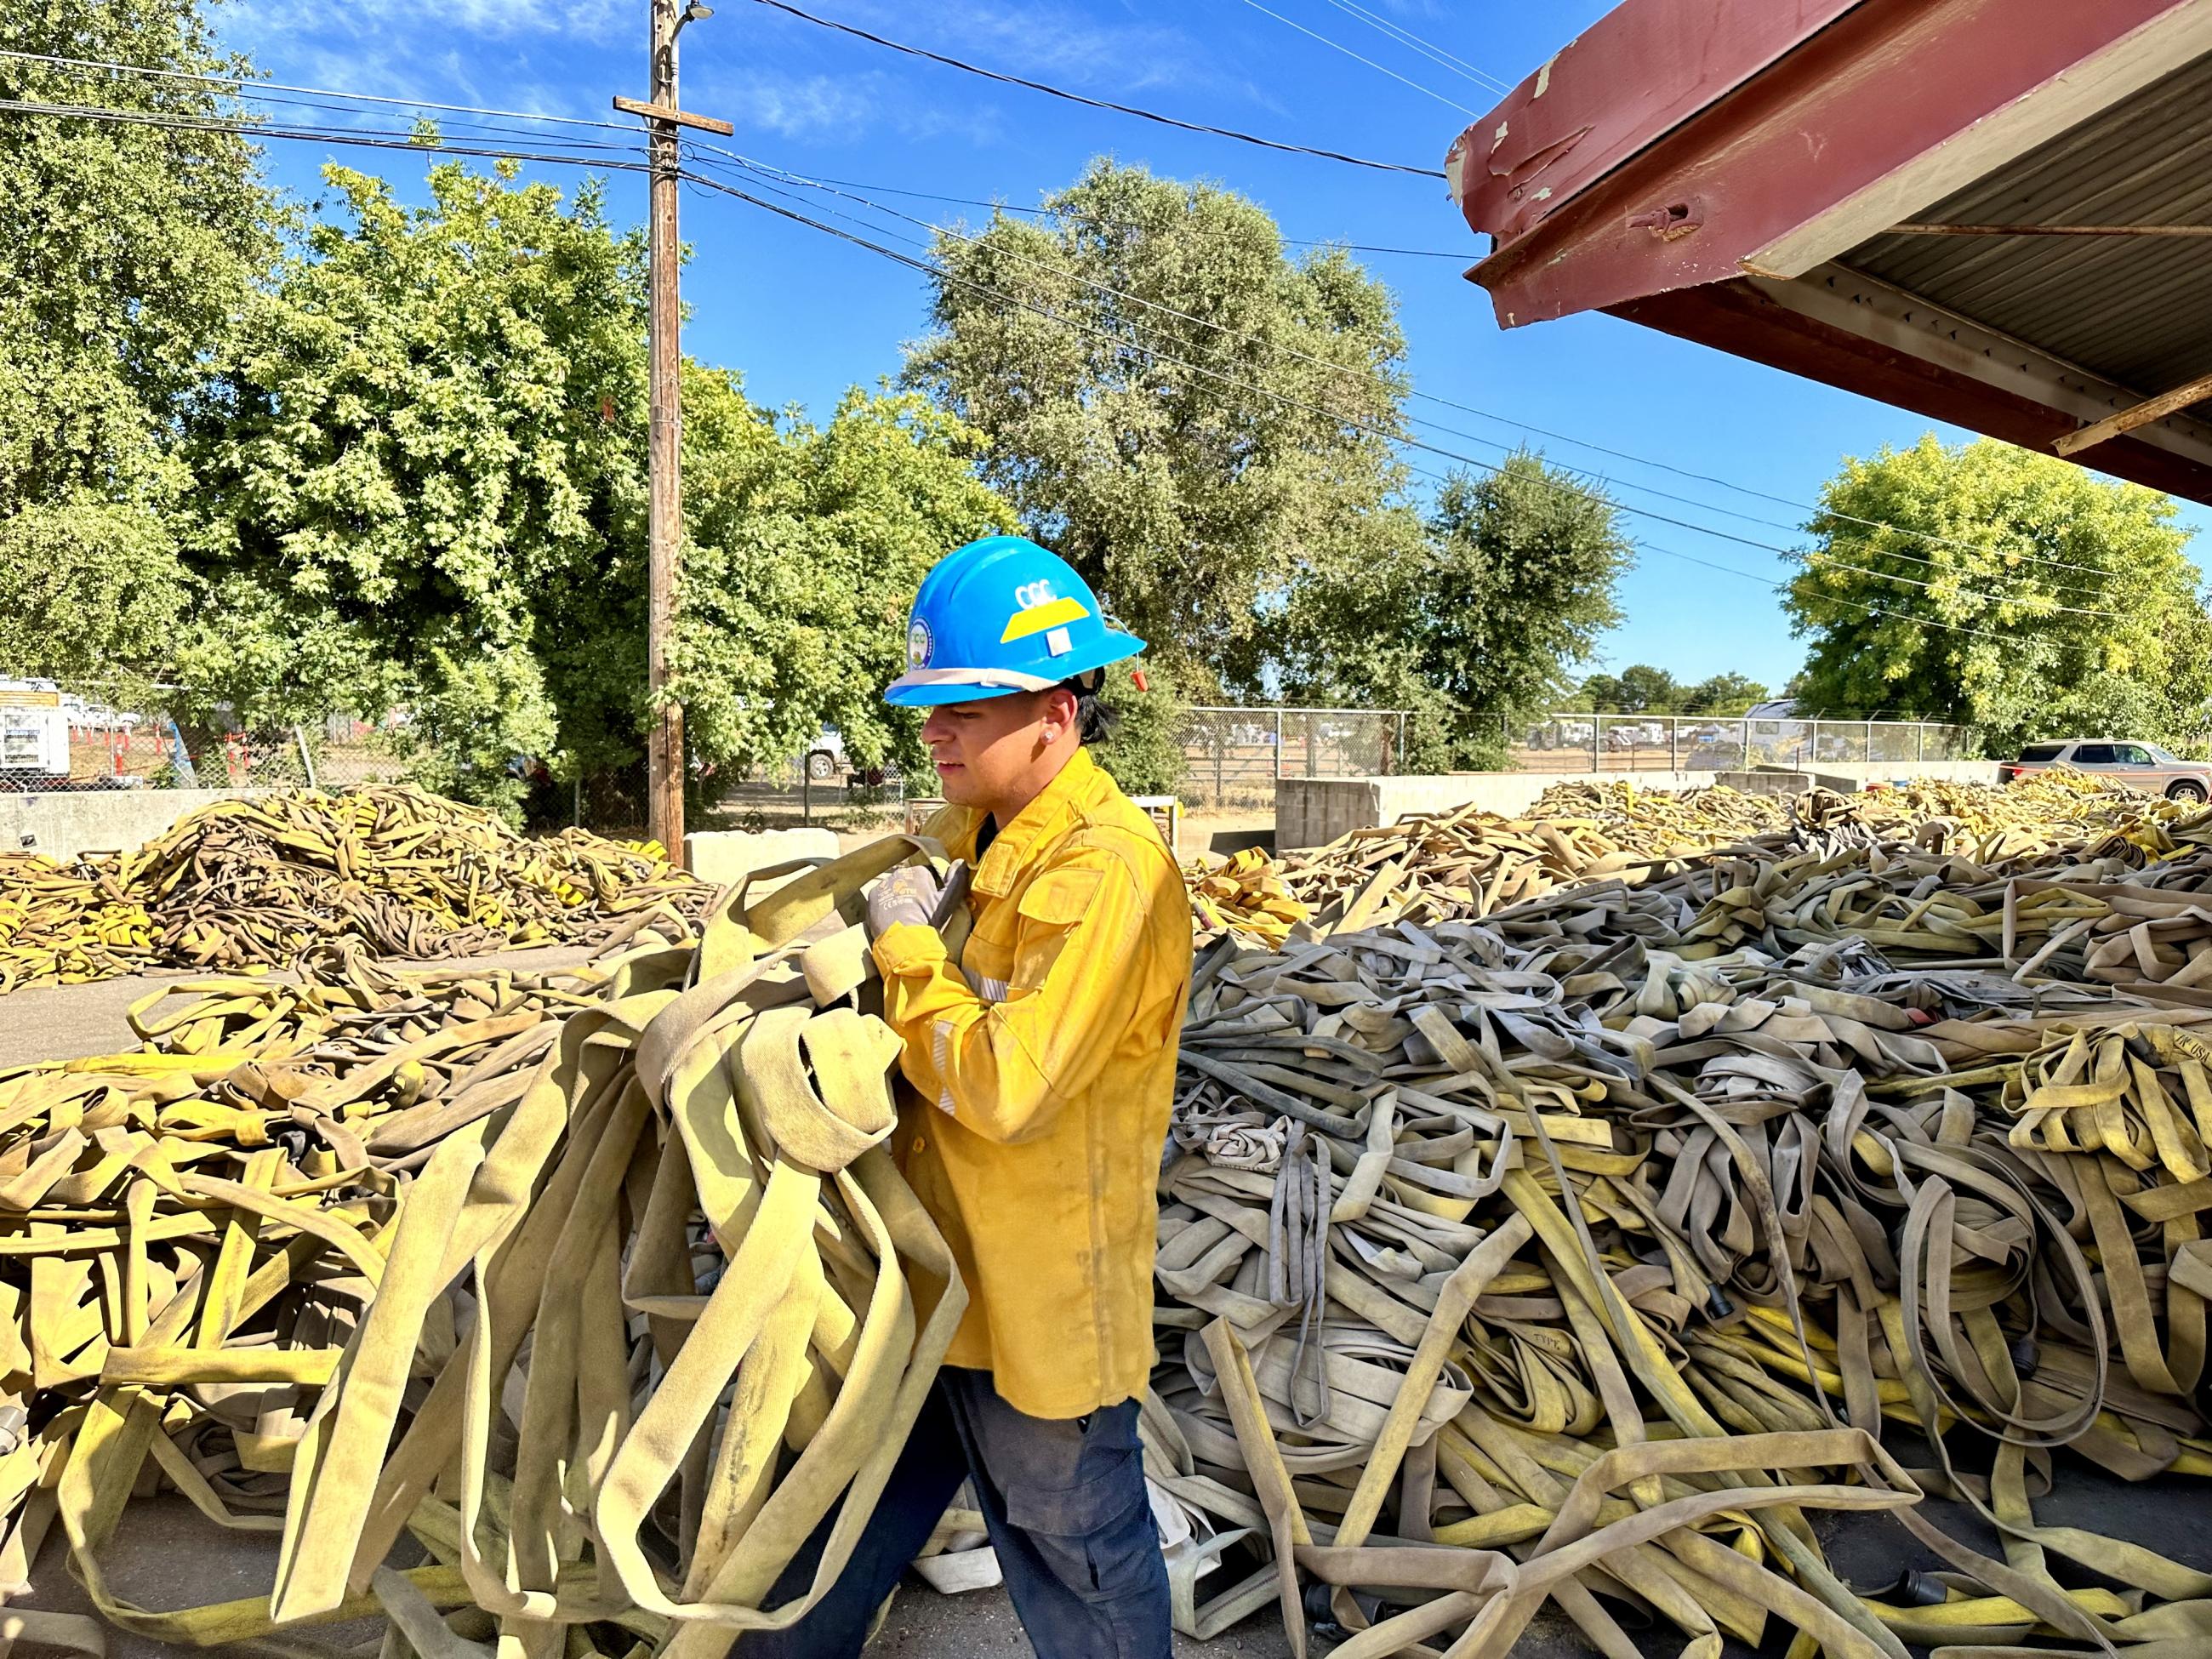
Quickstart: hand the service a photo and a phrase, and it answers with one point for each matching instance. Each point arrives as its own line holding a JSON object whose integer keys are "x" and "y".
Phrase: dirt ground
{"x": 61, "y": 1022}
{"x": 166, "y": 1555}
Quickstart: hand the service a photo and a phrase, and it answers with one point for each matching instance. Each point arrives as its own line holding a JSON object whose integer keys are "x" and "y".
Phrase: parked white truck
{"x": 34, "y": 735}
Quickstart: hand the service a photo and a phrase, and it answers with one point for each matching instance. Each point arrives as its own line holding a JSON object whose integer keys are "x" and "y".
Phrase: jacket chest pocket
{"x": 1047, "y": 914}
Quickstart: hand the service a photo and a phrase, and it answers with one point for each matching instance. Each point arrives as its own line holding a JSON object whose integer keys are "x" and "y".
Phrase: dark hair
{"x": 1093, "y": 720}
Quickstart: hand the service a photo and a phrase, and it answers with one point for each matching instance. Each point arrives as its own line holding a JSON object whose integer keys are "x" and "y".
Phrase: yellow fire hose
{"x": 617, "y": 1256}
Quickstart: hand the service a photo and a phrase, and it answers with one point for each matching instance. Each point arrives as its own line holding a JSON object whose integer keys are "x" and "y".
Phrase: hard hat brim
{"x": 931, "y": 688}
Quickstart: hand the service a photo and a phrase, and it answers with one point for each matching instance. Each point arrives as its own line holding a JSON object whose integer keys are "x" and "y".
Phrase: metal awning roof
{"x": 1736, "y": 172}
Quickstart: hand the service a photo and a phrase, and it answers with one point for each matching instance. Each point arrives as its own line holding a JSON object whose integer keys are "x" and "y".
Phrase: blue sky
{"x": 804, "y": 317}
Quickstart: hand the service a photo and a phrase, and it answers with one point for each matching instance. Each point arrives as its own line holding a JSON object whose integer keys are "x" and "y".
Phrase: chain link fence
{"x": 46, "y": 747}
{"x": 821, "y": 787}
{"x": 55, "y": 739}
{"x": 1233, "y": 756}
{"x": 1704, "y": 743}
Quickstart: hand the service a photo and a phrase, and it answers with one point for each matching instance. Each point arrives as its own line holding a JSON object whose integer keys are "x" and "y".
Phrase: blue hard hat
{"x": 1002, "y": 614}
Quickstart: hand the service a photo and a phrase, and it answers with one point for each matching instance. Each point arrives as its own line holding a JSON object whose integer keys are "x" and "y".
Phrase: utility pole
{"x": 664, "y": 801}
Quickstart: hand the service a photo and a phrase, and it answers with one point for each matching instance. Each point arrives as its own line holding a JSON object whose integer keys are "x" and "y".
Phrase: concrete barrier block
{"x": 722, "y": 856}
{"x": 1311, "y": 811}
{"x": 67, "y": 824}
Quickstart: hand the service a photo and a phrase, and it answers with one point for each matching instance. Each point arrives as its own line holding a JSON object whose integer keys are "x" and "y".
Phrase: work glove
{"x": 913, "y": 894}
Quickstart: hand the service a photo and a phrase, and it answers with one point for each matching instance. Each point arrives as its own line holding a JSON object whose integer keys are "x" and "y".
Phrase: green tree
{"x": 422, "y": 481}
{"x": 1143, "y": 750}
{"x": 1599, "y": 694}
{"x": 808, "y": 543}
{"x": 1722, "y": 694}
{"x": 131, "y": 250}
{"x": 1474, "y": 620}
{"x": 2005, "y": 589}
{"x": 424, "y": 489}
{"x": 89, "y": 592}
{"x": 1189, "y": 498}
{"x": 1641, "y": 689}
{"x": 1646, "y": 690}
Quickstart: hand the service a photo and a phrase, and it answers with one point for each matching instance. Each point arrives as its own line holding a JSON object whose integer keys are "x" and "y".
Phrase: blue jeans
{"x": 1064, "y": 1505}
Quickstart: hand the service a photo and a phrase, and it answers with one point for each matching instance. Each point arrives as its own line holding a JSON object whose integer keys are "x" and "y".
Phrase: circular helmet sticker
{"x": 917, "y": 644}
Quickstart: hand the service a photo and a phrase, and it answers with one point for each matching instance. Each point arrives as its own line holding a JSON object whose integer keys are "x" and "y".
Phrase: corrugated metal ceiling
{"x": 2137, "y": 310}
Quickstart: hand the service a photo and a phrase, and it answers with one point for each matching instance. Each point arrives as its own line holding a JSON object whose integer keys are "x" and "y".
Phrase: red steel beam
{"x": 1735, "y": 317}
{"x": 1633, "y": 75}
{"x": 1741, "y": 122}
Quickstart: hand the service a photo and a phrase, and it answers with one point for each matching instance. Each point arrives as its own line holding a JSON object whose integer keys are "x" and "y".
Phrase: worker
{"x": 1042, "y": 1064}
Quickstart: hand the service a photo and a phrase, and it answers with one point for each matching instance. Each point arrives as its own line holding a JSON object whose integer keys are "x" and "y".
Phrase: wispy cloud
{"x": 831, "y": 108}
{"x": 801, "y": 106}
{"x": 279, "y": 22}
{"x": 1054, "y": 42}
{"x": 553, "y": 57}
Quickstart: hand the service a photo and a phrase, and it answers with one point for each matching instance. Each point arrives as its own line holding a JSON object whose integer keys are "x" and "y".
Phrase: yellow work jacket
{"x": 1044, "y": 1062}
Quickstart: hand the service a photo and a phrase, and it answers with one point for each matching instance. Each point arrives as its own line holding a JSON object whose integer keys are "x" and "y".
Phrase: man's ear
{"x": 1059, "y": 715}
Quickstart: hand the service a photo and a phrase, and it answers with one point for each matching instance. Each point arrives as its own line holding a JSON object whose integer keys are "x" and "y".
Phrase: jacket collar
{"x": 1049, "y": 815}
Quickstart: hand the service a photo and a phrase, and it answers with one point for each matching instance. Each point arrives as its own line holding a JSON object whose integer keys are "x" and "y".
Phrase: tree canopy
{"x": 388, "y": 458}
{"x": 422, "y": 487}
{"x": 807, "y": 544}
{"x": 1203, "y": 426}
{"x": 1474, "y": 621}
{"x": 131, "y": 250}
{"x": 1641, "y": 689}
{"x": 2009, "y": 590}
{"x": 422, "y": 483}
{"x": 1186, "y": 415}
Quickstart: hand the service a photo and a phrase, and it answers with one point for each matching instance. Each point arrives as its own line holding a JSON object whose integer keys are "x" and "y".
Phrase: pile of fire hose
{"x": 600, "y": 1285}
{"x": 1602, "y": 1240}
{"x": 1574, "y": 1253}
{"x": 1603, "y": 1264}
{"x": 257, "y": 881}
{"x": 2125, "y": 908}
{"x": 1469, "y": 863}
{"x": 59, "y": 925}
{"x": 1243, "y": 894}
{"x": 2037, "y": 811}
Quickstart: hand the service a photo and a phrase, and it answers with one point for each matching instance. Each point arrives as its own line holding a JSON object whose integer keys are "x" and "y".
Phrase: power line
{"x": 248, "y": 84}
{"x": 933, "y": 269}
{"x": 1316, "y": 34}
{"x": 351, "y": 136}
{"x": 695, "y": 148}
{"x": 1131, "y": 224}
{"x": 1928, "y": 536}
{"x": 408, "y": 141}
{"x": 1098, "y": 103}
{"x": 1435, "y": 54}
{"x": 1823, "y": 556}
{"x": 257, "y": 90}
{"x": 1774, "y": 586}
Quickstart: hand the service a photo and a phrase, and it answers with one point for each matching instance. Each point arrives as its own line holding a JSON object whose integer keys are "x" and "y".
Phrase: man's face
{"x": 988, "y": 752}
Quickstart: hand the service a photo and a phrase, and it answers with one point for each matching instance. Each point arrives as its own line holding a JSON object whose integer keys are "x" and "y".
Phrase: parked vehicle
{"x": 1562, "y": 734}
{"x": 826, "y": 759}
{"x": 1639, "y": 734}
{"x": 34, "y": 735}
{"x": 2145, "y": 765}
